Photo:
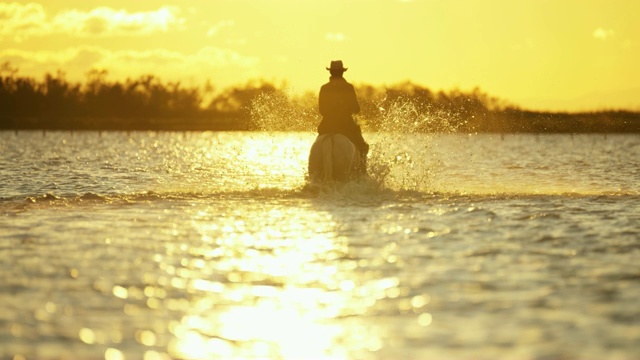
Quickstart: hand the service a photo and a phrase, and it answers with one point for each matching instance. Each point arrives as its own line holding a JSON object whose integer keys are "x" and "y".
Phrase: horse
{"x": 333, "y": 158}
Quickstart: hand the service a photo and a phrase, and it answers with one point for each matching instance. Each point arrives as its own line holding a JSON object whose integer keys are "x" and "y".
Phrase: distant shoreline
{"x": 149, "y": 104}
{"x": 509, "y": 122}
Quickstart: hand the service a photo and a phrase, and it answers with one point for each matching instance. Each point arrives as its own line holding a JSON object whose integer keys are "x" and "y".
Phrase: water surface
{"x": 208, "y": 245}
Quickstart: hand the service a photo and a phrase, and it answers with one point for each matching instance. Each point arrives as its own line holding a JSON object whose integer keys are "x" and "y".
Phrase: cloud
{"x": 208, "y": 62}
{"x": 335, "y": 37}
{"x": 21, "y": 21}
{"x": 603, "y": 34}
{"x": 213, "y": 31}
{"x": 107, "y": 21}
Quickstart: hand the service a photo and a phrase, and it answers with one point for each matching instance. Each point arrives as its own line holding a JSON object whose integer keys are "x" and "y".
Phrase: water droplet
{"x": 425, "y": 319}
{"x": 113, "y": 354}
{"x": 121, "y": 292}
{"x": 87, "y": 336}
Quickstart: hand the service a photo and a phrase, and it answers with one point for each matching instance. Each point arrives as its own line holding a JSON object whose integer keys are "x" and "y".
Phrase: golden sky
{"x": 539, "y": 54}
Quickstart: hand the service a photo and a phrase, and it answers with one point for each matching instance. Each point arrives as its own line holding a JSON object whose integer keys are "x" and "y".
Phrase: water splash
{"x": 405, "y": 154}
{"x": 279, "y": 112}
{"x": 393, "y": 163}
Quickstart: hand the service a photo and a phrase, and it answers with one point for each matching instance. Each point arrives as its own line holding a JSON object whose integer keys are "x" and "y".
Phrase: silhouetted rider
{"x": 337, "y": 102}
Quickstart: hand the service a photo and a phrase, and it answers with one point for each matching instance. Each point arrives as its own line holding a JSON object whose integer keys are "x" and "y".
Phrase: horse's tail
{"x": 327, "y": 158}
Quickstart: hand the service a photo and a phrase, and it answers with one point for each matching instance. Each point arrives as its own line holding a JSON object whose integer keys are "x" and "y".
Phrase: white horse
{"x": 333, "y": 158}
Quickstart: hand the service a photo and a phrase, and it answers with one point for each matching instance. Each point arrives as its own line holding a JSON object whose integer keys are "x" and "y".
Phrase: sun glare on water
{"x": 269, "y": 287}
{"x": 279, "y": 156}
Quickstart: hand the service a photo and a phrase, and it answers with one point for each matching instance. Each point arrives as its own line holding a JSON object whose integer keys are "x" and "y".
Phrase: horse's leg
{"x": 359, "y": 165}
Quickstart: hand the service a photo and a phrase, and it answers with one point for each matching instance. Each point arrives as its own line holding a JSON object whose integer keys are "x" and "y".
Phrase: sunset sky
{"x": 539, "y": 54}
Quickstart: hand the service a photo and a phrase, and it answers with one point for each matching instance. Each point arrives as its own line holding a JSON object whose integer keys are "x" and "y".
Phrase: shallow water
{"x": 209, "y": 245}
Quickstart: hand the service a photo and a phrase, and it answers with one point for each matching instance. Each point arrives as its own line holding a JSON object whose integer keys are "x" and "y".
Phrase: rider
{"x": 337, "y": 102}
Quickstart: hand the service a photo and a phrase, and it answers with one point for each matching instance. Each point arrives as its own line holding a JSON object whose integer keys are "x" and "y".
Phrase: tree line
{"x": 149, "y": 103}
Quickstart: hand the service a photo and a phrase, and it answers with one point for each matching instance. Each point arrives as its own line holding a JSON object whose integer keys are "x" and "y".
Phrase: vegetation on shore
{"x": 148, "y": 103}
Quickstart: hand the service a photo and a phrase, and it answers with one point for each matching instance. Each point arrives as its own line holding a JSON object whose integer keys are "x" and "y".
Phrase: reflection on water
{"x": 200, "y": 246}
{"x": 276, "y": 287}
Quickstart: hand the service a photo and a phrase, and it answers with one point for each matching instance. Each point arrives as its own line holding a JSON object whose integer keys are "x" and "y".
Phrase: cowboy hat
{"x": 337, "y": 65}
